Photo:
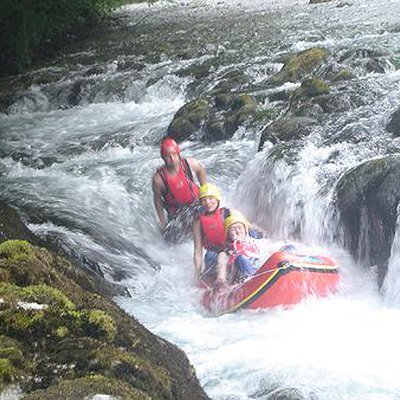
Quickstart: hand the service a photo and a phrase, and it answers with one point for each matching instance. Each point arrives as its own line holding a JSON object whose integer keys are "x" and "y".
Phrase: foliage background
{"x": 29, "y": 27}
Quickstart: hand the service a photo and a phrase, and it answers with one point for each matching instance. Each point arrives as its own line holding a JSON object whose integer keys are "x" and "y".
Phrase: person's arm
{"x": 198, "y": 169}
{"x": 157, "y": 185}
{"x": 198, "y": 247}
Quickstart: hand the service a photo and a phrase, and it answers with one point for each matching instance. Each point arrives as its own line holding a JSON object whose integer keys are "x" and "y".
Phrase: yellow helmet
{"x": 209, "y": 189}
{"x": 234, "y": 217}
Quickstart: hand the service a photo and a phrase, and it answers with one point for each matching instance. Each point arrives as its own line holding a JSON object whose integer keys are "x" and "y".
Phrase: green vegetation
{"x": 62, "y": 339}
{"x": 28, "y": 28}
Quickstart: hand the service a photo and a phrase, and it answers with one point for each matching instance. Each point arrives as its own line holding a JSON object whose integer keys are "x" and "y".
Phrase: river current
{"x": 81, "y": 175}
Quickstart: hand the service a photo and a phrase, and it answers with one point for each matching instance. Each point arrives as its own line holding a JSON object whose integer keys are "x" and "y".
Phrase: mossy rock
{"x": 86, "y": 387}
{"x": 243, "y": 108}
{"x": 305, "y": 100}
{"x": 287, "y": 129}
{"x": 16, "y": 250}
{"x": 310, "y": 88}
{"x": 13, "y": 366}
{"x": 300, "y": 65}
{"x": 133, "y": 369}
{"x": 64, "y": 327}
{"x": 42, "y": 311}
{"x": 229, "y": 82}
{"x": 342, "y": 75}
{"x": 188, "y": 119}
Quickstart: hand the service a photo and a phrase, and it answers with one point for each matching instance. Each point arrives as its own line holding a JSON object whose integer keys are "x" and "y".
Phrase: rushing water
{"x": 81, "y": 175}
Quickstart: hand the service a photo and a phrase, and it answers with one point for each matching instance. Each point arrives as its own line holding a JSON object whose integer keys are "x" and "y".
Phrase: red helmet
{"x": 167, "y": 144}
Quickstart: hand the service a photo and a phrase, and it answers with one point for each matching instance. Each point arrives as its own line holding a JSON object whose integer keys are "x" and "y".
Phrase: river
{"x": 78, "y": 153}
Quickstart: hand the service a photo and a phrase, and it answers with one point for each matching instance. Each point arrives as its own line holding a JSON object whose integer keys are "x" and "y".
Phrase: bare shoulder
{"x": 194, "y": 163}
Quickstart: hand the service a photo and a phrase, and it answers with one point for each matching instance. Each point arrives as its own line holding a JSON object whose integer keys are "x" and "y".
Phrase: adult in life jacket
{"x": 242, "y": 253}
{"x": 175, "y": 193}
{"x": 209, "y": 232}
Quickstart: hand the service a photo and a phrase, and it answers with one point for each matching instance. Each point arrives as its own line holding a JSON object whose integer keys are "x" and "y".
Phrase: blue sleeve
{"x": 253, "y": 233}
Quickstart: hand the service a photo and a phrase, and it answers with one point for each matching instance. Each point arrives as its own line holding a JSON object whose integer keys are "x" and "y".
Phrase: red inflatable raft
{"x": 285, "y": 278}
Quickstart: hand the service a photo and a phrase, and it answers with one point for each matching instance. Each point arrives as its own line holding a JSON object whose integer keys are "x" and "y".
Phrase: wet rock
{"x": 214, "y": 119}
{"x": 300, "y": 65}
{"x": 287, "y": 129}
{"x": 189, "y": 119}
{"x": 300, "y": 97}
{"x": 68, "y": 341}
{"x": 393, "y": 125}
{"x": 367, "y": 199}
{"x": 86, "y": 388}
{"x": 368, "y": 60}
{"x": 242, "y": 107}
{"x": 12, "y": 227}
{"x": 285, "y": 394}
{"x": 28, "y": 102}
{"x": 334, "y": 72}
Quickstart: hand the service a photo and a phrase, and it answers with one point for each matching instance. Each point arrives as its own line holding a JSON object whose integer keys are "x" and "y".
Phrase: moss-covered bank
{"x": 60, "y": 338}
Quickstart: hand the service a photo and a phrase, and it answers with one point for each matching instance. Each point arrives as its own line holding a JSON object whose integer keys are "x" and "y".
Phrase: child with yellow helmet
{"x": 209, "y": 232}
{"x": 243, "y": 252}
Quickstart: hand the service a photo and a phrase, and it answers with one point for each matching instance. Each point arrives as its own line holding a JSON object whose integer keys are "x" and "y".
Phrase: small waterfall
{"x": 283, "y": 193}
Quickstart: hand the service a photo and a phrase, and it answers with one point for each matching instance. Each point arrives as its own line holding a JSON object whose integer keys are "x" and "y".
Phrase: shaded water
{"x": 78, "y": 153}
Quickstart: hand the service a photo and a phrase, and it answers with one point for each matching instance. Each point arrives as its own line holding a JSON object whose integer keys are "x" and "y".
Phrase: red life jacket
{"x": 180, "y": 189}
{"x": 212, "y": 228}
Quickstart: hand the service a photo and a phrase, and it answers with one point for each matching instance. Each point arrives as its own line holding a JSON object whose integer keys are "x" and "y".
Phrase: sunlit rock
{"x": 300, "y": 65}
{"x": 215, "y": 119}
{"x": 189, "y": 119}
{"x": 367, "y": 199}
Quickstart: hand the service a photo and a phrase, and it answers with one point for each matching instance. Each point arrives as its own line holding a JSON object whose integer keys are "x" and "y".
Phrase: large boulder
{"x": 367, "y": 200}
{"x": 189, "y": 119}
{"x": 61, "y": 339}
{"x": 300, "y": 65}
{"x": 287, "y": 129}
{"x": 212, "y": 119}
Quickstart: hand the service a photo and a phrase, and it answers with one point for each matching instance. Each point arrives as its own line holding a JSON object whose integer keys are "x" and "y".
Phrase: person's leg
{"x": 210, "y": 263}
{"x": 244, "y": 266}
{"x": 222, "y": 268}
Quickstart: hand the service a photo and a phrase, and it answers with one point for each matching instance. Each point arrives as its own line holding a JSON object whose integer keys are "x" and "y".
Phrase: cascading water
{"x": 77, "y": 157}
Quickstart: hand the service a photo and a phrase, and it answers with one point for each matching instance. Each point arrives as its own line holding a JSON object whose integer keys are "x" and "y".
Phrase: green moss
{"x": 99, "y": 324}
{"x": 16, "y": 250}
{"x": 310, "y": 88}
{"x": 134, "y": 369}
{"x": 343, "y": 75}
{"x": 87, "y": 387}
{"x": 13, "y": 365}
{"x": 41, "y": 294}
{"x": 10, "y": 349}
{"x": 8, "y": 373}
{"x": 300, "y": 65}
{"x": 188, "y": 119}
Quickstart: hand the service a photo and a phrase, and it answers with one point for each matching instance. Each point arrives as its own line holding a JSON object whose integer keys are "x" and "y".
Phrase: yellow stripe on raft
{"x": 254, "y": 293}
